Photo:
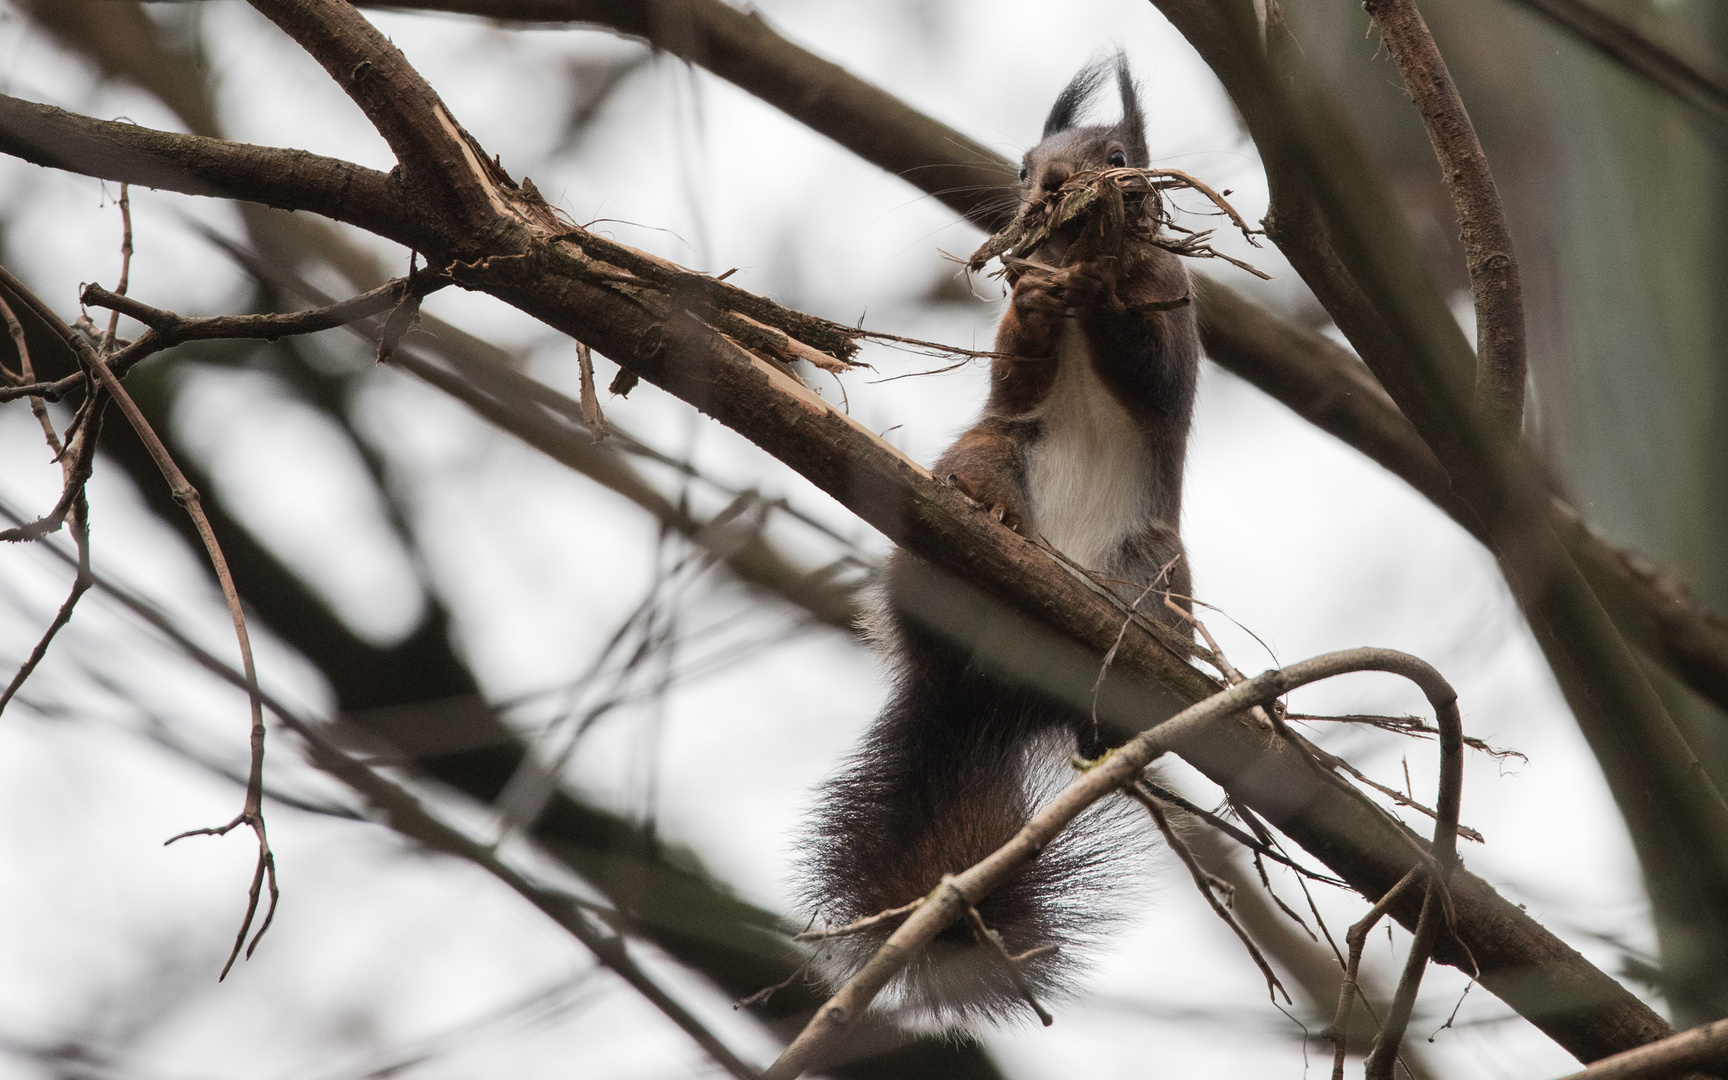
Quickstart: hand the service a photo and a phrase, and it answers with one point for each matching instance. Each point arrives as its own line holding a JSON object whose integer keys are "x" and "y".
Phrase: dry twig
{"x": 125, "y": 263}
{"x": 403, "y": 811}
{"x": 992, "y": 940}
{"x": 79, "y": 513}
{"x": 1355, "y": 939}
{"x": 1203, "y": 881}
{"x": 591, "y": 414}
{"x": 252, "y": 812}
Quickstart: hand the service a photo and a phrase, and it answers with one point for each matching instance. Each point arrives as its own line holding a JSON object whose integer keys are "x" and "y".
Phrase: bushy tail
{"x": 951, "y": 770}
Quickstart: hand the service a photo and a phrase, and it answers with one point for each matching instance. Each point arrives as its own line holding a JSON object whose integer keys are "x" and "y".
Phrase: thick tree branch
{"x": 441, "y": 163}
{"x": 1307, "y": 372}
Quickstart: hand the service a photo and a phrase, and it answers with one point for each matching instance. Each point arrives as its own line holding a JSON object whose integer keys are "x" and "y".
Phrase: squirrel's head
{"x": 1067, "y": 148}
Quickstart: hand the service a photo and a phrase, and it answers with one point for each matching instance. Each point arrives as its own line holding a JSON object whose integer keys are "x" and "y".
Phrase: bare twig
{"x": 27, "y": 376}
{"x": 251, "y": 813}
{"x": 79, "y": 512}
{"x": 125, "y": 263}
{"x": 1356, "y": 937}
{"x": 991, "y": 940}
{"x": 859, "y": 926}
{"x": 80, "y": 518}
{"x": 1114, "y": 771}
{"x": 403, "y": 812}
{"x": 1436, "y": 905}
{"x": 78, "y": 458}
{"x": 1203, "y": 882}
{"x": 1117, "y": 204}
{"x": 591, "y": 414}
{"x": 1110, "y": 656}
{"x": 1481, "y": 220}
{"x": 1399, "y": 797}
{"x": 165, "y": 328}
{"x": 1414, "y": 727}
{"x": 1254, "y": 844}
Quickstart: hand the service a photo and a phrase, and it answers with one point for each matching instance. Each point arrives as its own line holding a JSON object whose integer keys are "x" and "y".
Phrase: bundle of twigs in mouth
{"x": 1101, "y": 210}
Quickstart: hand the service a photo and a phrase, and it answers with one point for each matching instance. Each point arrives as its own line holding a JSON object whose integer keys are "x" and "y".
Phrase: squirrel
{"x": 1081, "y": 443}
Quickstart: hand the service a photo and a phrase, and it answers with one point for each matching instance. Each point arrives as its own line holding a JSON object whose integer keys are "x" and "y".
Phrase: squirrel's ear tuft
{"x": 1074, "y": 96}
{"x": 1133, "y": 124}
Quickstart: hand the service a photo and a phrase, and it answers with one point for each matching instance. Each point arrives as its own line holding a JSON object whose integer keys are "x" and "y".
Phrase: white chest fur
{"x": 1089, "y": 476}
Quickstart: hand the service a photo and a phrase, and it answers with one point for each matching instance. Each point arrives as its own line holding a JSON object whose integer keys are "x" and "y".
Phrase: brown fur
{"x": 1083, "y": 438}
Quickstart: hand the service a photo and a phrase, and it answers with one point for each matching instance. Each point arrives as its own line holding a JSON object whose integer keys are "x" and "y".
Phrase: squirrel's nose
{"x": 1052, "y": 175}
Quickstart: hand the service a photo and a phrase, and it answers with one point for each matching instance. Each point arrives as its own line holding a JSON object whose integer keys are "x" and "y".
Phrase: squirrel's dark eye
{"x": 1117, "y": 159}
{"x": 1022, "y": 174}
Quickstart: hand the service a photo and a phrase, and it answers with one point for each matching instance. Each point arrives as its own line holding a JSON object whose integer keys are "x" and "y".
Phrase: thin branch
{"x": 1257, "y": 846}
{"x": 252, "y": 812}
{"x": 1203, "y": 882}
{"x": 403, "y": 812}
{"x": 1356, "y": 937}
{"x": 27, "y": 376}
{"x": 1639, "y": 53}
{"x": 859, "y": 926}
{"x": 166, "y": 328}
{"x": 80, "y": 517}
{"x": 125, "y": 264}
{"x": 1115, "y": 771}
{"x": 992, "y": 941}
{"x": 1436, "y": 908}
{"x": 1481, "y": 220}
{"x": 78, "y": 460}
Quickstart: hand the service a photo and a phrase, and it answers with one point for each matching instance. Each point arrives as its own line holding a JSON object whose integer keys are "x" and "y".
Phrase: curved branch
{"x": 1481, "y": 219}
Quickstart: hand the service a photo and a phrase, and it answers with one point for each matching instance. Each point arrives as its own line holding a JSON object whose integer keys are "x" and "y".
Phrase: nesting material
{"x": 1097, "y": 212}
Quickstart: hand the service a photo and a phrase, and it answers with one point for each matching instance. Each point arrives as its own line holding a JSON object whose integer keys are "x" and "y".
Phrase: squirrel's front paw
{"x": 996, "y": 499}
{"x": 1058, "y": 292}
{"x": 1040, "y": 291}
